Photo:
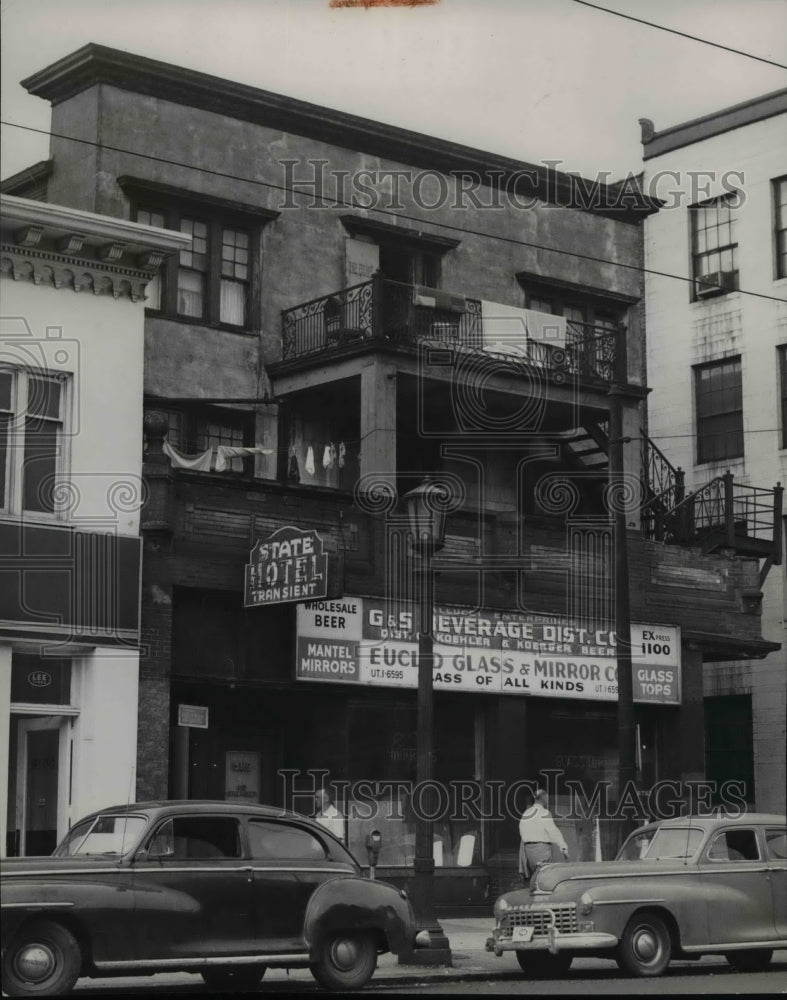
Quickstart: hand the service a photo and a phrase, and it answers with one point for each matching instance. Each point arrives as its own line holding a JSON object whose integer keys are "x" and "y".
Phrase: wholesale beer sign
{"x": 289, "y": 565}
{"x": 363, "y": 641}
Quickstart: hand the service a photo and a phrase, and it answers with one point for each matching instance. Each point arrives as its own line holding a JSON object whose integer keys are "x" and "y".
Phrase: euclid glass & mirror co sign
{"x": 289, "y": 565}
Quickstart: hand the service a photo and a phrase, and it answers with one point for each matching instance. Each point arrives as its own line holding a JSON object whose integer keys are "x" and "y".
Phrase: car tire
{"x": 233, "y": 977}
{"x": 43, "y": 960}
{"x": 544, "y": 965}
{"x": 346, "y": 961}
{"x": 645, "y": 948}
{"x": 750, "y": 960}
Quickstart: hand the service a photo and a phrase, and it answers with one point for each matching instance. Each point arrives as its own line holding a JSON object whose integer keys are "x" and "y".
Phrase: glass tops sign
{"x": 357, "y": 640}
{"x": 289, "y": 565}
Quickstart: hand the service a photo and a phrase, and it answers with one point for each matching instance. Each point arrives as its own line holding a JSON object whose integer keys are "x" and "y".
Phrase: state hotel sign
{"x": 289, "y": 565}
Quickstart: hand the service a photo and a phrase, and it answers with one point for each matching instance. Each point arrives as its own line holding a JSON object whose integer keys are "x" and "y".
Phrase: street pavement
{"x": 471, "y": 962}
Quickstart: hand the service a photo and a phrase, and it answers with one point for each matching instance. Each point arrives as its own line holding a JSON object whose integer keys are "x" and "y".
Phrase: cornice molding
{"x": 528, "y": 279}
{"x": 138, "y": 187}
{"x": 98, "y": 64}
{"x": 698, "y": 129}
{"x": 59, "y": 220}
{"x": 54, "y": 270}
{"x": 358, "y": 225}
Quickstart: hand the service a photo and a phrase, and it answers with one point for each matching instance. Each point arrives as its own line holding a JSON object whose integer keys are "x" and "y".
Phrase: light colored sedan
{"x": 679, "y": 888}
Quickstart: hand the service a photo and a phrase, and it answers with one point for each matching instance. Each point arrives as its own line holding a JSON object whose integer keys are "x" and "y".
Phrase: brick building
{"x": 363, "y": 306}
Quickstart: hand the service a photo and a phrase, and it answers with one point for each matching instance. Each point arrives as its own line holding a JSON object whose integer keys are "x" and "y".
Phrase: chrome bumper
{"x": 553, "y": 941}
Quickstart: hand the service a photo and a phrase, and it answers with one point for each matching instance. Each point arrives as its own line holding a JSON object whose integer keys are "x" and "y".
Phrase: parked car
{"x": 679, "y": 888}
{"x": 216, "y": 888}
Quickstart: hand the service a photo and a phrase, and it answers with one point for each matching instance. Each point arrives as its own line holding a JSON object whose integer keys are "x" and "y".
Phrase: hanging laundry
{"x": 327, "y": 457}
{"x": 293, "y": 472}
{"x": 342, "y": 454}
{"x": 225, "y": 453}
{"x": 310, "y": 460}
{"x": 333, "y": 454}
{"x": 197, "y": 463}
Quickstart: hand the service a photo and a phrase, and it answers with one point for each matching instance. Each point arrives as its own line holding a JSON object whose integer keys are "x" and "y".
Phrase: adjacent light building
{"x": 71, "y": 350}
{"x": 716, "y": 298}
{"x": 362, "y": 306}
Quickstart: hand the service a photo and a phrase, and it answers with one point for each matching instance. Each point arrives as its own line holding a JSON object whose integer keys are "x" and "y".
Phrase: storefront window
{"x": 382, "y": 751}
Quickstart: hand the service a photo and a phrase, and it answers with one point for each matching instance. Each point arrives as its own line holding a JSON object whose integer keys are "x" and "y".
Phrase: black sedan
{"x": 220, "y": 889}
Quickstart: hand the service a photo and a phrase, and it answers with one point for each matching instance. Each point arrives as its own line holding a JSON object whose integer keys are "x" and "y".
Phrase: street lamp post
{"x": 426, "y": 514}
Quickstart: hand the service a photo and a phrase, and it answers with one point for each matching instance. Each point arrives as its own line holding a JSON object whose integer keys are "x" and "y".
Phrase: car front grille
{"x": 562, "y": 917}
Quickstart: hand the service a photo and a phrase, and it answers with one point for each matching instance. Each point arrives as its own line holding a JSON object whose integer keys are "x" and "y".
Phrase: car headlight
{"x": 501, "y": 907}
{"x": 585, "y": 903}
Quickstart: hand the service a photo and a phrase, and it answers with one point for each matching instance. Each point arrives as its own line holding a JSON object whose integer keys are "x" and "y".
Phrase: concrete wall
{"x": 303, "y": 251}
{"x": 682, "y": 333}
{"x": 97, "y": 341}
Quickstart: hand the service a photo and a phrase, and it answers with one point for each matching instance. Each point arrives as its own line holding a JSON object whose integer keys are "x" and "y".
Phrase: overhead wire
{"x": 335, "y": 202}
{"x": 681, "y": 34}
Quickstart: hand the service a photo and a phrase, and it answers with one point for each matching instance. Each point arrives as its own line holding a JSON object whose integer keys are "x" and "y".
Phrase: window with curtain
{"x": 211, "y": 281}
{"x": 32, "y": 413}
{"x": 194, "y": 430}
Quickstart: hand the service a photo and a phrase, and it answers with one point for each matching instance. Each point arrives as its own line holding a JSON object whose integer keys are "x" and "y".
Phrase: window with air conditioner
{"x": 714, "y": 247}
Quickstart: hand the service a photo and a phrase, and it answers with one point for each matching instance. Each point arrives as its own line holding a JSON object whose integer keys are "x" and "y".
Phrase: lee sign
{"x": 289, "y": 565}
{"x": 357, "y": 640}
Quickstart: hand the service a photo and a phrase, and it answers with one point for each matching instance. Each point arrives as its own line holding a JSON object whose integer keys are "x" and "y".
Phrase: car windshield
{"x": 102, "y": 835}
{"x": 661, "y": 843}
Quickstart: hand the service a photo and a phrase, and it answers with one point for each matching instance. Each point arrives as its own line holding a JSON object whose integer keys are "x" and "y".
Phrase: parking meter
{"x": 374, "y": 841}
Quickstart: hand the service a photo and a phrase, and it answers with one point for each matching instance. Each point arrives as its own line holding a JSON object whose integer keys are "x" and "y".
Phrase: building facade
{"x": 363, "y": 306}
{"x": 717, "y": 367}
{"x": 73, "y": 287}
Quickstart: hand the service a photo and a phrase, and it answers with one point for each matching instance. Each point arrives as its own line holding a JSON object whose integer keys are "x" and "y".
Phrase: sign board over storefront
{"x": 356, "y": 640}
{"x": 194, "y": 716}
{"x": 289, "y": 565}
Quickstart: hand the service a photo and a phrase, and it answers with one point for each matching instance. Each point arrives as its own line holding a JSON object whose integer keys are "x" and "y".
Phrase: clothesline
{"x": 216, "y": 459}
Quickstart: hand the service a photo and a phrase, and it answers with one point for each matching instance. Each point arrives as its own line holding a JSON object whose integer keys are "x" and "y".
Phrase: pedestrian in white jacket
{"x": 538, "y": 833}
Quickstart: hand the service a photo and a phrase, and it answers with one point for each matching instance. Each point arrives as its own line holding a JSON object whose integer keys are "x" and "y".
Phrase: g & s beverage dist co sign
{"x": 356, "y": 640}
{"x": 289, "y": 565}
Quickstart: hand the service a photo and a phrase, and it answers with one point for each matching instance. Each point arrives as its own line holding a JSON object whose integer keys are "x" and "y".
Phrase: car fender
{"x": 75, "y": 899}
{"x": 670, "y": 891}
{"x": 345, "y": 904}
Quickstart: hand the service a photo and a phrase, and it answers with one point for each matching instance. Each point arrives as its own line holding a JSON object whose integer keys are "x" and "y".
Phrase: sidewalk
{"x": 471, "y": 960}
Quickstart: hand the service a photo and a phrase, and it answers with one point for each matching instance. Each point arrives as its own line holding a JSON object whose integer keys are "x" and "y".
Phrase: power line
{"x": 682, "y": 34}
{"x": 342, "y": 203}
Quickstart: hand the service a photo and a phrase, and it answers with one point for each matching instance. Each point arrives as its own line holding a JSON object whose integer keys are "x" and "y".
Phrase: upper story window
{"x": 599, "y": 309}
{"x": 32, "y": 414}
{"x": 216, "y": 282}
{"x": 397, "y": 252}
{"x": 782, "y": 352}
{"x": 195, "y": 431}
{"x": 719, "y": 405}
{"x": 210, "y": 282}
{"x": 412, "y": 267}
{"x": 780, "y": 225}
{"x": 714, "y": 246}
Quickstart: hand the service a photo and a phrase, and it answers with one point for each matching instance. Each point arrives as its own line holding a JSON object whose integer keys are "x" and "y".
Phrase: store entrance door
{"x": 37, "y": 785}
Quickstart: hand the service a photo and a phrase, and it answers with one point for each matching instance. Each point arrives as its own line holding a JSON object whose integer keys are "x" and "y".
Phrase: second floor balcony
{"x": 385, "y": 313}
